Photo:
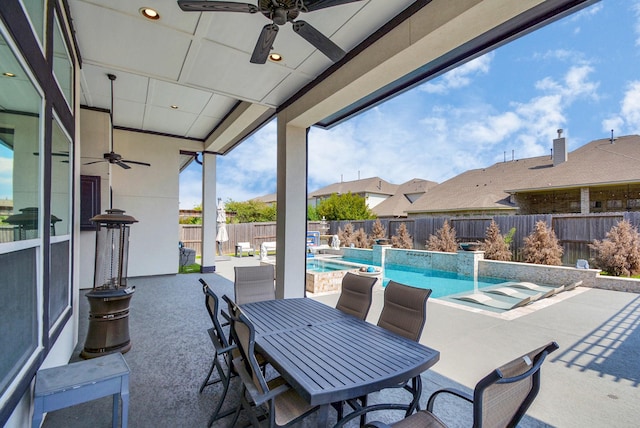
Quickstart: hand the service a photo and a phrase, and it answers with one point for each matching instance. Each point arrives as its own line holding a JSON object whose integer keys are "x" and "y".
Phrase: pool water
{"x": 326, "y": 266}
{"x": 442, "y": 283}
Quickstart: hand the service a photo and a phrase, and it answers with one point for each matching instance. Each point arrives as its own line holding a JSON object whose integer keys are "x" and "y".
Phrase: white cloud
{"x": 630, "y": 108}
{"x": 460, "y": 76}
{"x": 635, "y": 7}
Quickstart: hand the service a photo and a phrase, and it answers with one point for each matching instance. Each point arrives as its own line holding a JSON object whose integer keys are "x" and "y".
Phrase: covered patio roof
{"x": 200, "y": 62}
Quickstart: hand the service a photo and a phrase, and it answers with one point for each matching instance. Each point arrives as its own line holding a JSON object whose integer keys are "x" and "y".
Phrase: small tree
{"x": 360, "y": 239}
{"x": 378, "y": 231}
{"x": 402, "y": 239}
{"x": 495, "y": 246}
{"x": 346, "y": 236}
{"x": 619, "y": 253}
{"x": 542, "y": 247}
{"x": 444, "y": 239}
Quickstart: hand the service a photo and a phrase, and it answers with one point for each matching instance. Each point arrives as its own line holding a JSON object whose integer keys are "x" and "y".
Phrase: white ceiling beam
{"x": 242, "y": 122}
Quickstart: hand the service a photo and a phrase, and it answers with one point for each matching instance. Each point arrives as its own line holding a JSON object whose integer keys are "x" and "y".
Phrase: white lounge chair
{"x": 244, "y": 247}
{"x": 546, "y": 291}
{"x": 483, "y": 299}
{"x": 508, "y": 291}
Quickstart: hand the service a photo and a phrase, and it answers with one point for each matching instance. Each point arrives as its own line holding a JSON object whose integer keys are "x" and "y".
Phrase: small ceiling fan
{"x": 113, "y": 157}
{"x": 279, "y": 12}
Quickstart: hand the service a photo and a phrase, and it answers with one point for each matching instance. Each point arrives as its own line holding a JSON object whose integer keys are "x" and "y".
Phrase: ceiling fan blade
{"x": 122, "y": 164}
{"x": 312, "y": 5}
{"x": 136, "y": 162}
{"x": 263, "y": 46}
{"x": 216, "y": 6}
{"x": 319, "y": 40}
{"x": 90, "y": 163}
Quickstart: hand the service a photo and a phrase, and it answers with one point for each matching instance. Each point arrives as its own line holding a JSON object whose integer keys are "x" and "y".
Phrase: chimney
{"x": 559, "y": 149}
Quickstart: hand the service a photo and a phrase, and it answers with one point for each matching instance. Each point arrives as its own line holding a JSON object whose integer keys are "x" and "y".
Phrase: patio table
{"x": 329, "y": 356}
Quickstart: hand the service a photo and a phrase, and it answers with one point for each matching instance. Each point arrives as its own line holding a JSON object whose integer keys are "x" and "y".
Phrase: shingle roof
{"x": 365, "y": 185}
{"x": 396, "y": 205}
{"x": 596, "y": 163}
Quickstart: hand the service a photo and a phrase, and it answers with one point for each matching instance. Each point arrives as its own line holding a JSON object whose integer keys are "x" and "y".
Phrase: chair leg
{"x": 226, "y": 381}
{"x": 206, "y": 380}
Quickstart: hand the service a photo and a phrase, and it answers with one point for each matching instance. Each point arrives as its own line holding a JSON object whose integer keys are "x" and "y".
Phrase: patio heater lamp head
{"x": 112, "y": 249}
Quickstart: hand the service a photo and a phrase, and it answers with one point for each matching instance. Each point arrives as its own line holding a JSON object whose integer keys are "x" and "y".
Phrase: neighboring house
{"x": 407, "y": 193}
{"x": 600, "y": 176}
{"x": 6, "y": 206}
{"x": 269, "y": 199}
{"x": 374, "y": 190}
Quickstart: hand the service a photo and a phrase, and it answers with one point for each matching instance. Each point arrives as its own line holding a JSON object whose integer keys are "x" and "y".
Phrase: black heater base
{"x": 108, "y": 323}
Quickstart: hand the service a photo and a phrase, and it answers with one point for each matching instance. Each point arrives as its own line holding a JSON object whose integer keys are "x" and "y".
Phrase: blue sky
{"x": 581, "y": 74}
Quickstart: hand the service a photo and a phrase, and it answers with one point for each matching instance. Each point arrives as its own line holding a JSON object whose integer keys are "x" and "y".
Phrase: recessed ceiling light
{"x": 175, "y": 107}
{"x": 275, "y": 57}
{"x": 149, "y": 13}
{"x": 8, "y": 74}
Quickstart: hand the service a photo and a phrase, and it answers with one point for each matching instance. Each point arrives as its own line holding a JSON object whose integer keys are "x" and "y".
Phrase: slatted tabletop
{"x": 328, "y": 356}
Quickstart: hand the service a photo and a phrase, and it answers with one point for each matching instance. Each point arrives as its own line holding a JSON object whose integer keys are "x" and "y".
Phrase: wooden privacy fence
{"x": 254, "y": 233}
{"x": 574, "y": 231}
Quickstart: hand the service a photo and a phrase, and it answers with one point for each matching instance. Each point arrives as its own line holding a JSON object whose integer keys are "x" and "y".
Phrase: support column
{"x": 291, "y": 228}
{"x": 209, "y": 214}
{"x": 584, "y": 200}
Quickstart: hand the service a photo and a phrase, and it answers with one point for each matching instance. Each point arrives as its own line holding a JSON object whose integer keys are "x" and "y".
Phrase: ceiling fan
{"x": 279, "y": 12}
{"x": 113, "y": 157}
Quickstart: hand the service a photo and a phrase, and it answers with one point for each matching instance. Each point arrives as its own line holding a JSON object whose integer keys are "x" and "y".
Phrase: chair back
{"x": 405, "y": 310}
{"x": 254, "y": 284}
{"x": 502, "y": 398}
{"x": 244, "y": 334}
{"x": 356, "y": 295}
{"x": 212, "y": 304}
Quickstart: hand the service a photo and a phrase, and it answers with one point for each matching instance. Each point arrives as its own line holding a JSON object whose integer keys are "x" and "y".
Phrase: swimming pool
{"x": 441, "y": 282}
{"x": 319, "y": 265}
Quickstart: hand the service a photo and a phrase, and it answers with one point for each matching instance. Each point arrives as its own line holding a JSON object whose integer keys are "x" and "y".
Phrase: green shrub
{"x": 619, "y": 253}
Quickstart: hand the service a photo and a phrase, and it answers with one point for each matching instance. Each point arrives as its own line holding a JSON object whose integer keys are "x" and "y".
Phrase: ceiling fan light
{"x": 150, "y": 13}
{"x": 8, "y": 74}
{"x": 275, "y": 57}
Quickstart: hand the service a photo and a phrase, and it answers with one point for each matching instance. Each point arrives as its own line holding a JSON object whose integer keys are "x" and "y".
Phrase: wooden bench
{"x": 75, "y": 383}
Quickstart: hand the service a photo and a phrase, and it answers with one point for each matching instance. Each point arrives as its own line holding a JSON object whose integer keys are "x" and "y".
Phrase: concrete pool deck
{"x": 593, "y": 380}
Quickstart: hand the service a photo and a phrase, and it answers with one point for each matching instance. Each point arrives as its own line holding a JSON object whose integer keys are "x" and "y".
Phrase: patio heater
{"x": 109, "y": 299}
{"x": 26, "y": 223}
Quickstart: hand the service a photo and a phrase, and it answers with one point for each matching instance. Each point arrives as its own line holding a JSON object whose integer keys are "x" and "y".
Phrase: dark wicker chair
{"x": 222, "y": 355}
{"x": 356, "y": 295}
{"x": 499, "y": 400}
{"x": 282, "y": 404}
{"x": 254, "y": 284}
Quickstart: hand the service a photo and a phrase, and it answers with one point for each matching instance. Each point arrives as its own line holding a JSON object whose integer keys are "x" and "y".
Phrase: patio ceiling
{"x": 199, "y": 62}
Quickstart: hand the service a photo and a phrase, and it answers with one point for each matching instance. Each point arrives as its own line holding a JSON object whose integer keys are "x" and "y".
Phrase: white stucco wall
{"x": 150, "y": 194}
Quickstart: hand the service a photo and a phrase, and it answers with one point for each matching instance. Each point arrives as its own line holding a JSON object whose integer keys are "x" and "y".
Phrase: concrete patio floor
{"x": 591, "y": 381}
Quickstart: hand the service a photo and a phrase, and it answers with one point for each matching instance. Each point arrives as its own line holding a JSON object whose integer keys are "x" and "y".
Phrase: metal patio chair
{"x": 356, "y": 295}
{"x": 223, "y": 353}
{"x": 254, "y": 284}
{"x": 499, "y": 400}
{"x": 282, "y": 404}
{"x": 405, "y": 313}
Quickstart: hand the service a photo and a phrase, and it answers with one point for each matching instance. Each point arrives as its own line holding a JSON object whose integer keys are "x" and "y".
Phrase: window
{"x": 62, "y": 65}
{"x": 614, "y": 204}
{"x": 20, "y": 221}
{"x": 60, "y": 225}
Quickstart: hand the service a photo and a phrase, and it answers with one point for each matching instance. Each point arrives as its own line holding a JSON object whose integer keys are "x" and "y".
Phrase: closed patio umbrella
{"x": 221, "y": 219}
